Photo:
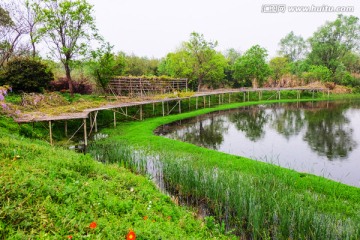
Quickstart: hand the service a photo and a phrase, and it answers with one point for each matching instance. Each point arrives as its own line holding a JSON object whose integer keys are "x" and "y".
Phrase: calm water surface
{"x": 321, "y": 138}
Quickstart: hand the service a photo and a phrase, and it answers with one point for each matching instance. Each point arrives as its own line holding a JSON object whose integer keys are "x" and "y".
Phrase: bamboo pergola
{"x": 142, "y": 86}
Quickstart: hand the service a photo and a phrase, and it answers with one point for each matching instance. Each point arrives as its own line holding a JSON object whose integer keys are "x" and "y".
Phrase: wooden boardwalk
{"x": 92, "y": 112}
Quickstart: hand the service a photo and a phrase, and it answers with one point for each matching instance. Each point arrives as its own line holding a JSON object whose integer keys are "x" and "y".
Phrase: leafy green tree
{"x": 68, "y": 26}
{"x": 208, "y": 65}
{"x": 251, "y": 68}
{"x": 26, "y": 75}
{"x": 279, "y": 66}
{"x": 231, "y": 56}
{"x": 177, "y": 64}
{"x": 331, "y": 42}
{"x": 318, "y": 73}
{"x": 351, "y": 60}
{"x": 5, "y": 19}
{"x": 140, "y": 66}
{"x": 196, "y": 60}
{"x": 293, "y": 47}
{"x": 104, "y": 65}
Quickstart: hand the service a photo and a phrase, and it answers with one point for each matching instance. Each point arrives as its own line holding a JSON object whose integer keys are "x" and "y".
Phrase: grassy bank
{"x": 50, "y": 193}
{"x": 251, "y": 199}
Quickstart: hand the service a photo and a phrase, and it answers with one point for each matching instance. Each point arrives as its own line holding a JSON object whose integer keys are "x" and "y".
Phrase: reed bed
{"x": 248, "y": 206}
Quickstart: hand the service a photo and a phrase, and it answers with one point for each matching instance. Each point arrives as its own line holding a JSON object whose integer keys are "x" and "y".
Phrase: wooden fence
{"x": 139, "y": 87}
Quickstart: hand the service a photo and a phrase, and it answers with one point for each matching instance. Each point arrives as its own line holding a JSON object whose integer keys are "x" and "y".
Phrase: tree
{"x": 208, "y": 65}
{"x": 293, "y": 47}
{"x": 331, "y": 42}
{"x": 279, "y": 66}
{"x": 196, "y": 60}
{"x": 231, "y": 56}
{"x": 318, "y": 73}
{"x": 12, "y": 28}
{"x": 104, "y": 65}
{"x": 68, "y": 26}
{"x": 140, "y": 66}
{"x": 32, "y": 20}
{"x": 26, "y": 75}
{"x": 5, "y": 19}
{"x": 252, "y": 68}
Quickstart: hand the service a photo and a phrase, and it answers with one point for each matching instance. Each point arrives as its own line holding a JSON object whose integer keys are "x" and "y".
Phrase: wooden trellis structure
{"x": 141, "y": 86}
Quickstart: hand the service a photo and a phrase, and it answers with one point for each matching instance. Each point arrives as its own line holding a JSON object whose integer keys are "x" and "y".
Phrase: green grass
{"x": 252, "y": 199}
{"x": 51, "y": 193}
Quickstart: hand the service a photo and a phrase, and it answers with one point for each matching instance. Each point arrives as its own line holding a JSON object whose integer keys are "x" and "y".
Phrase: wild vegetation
{"x": 247, "y": 198}
{"x": 51, "y": 193}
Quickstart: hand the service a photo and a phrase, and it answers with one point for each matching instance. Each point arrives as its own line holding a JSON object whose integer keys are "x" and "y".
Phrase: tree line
{"x": 68, "y": 29}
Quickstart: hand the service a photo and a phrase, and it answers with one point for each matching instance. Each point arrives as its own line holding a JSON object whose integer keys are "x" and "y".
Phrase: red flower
{"x": 93, "y": 225}
{"x": 131, "y": 235}
{"x": 69, "y": 237}
{"x": 145, "y": 217}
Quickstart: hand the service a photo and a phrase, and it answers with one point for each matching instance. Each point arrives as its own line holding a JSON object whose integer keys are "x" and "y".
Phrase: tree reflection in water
{"x": 251, "y": 121}
{"x": 328, "y": 132}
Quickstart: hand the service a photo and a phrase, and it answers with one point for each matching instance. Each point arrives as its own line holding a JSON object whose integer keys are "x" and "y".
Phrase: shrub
{"x": 82, "y": 86}
{"x": 26, "y": 75}
{"x": 317, "y": 73}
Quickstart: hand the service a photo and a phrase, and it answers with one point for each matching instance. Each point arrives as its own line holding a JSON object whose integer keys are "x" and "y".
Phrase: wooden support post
{"x": 189, "y": 103}
{"x": 66, "y": 129}
{"x": 313, "y": 92}
{"x": 196, "y": 103}
{"x": 244, "y": 96}
{"x": 279, "y": 95}
{"x": 167, "y": 107}
{"x": 229, "y": 97}
{"x": 141, "y": 113}
{"x": 114, "y": 119}
{"x": 209, "y": 100}
{"x": 328, "y": 93}
{"x": 163, "y": 108}
{"x": 95, "y": 119}
{"x": 180, "y": 106}
{"x": 50, "y": 132}
{"x": 91, "y": 119}
{"x": 153, "y": 108}
{"x": 204, "y": 101}
{"x": 85, "y": 134}
{"x": 248, "y": 96}
{"x": 219, "y": 99}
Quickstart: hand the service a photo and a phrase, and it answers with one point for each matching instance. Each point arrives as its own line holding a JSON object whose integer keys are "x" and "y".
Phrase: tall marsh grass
{"x": 248, "y": 206}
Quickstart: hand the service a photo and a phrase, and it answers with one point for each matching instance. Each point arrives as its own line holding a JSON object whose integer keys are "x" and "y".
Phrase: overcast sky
{"x": 154, "y": 28}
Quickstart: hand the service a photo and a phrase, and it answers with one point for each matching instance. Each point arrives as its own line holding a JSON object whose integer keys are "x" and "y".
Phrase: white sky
{"x": 154, "y": 28}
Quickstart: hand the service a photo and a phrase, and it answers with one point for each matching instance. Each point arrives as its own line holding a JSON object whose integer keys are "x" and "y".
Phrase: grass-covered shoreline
{"x": 256, "y": 199}
{"x": 51, "y": 193}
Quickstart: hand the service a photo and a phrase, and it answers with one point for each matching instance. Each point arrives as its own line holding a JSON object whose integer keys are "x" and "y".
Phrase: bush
{"x": 82, "y": 86}
{"x": 26, "y": 75}
{"x": 317, "y": 73}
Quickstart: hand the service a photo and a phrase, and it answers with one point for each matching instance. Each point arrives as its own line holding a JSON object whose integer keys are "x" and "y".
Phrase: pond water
{"x": 321, "y": 138}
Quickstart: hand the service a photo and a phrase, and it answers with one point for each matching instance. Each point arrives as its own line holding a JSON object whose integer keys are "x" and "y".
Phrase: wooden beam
{"x": 66, "y": 128}
{"x": 163, "y": 108}
{"x": 141, "y": 112}
{"x": 196, "y": 103}
{"x": 180, "y": 106}
{"x": 85, "y": 134}
{"x": 114, "y": 119}
{"x": 50, "y": 132}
